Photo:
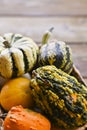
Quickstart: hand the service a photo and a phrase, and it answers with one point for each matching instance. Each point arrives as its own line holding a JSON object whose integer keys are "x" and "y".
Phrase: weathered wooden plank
{"x": 79, "y": 53}
{"x": 70, "y": 29}
{"x": 43, "y": 7}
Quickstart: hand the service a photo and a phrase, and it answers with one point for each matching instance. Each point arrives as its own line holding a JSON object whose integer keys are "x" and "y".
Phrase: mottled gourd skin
{"x": 60, "y": 96}
{"x": 56, "y": 53}
{"x": 18, "y": 55}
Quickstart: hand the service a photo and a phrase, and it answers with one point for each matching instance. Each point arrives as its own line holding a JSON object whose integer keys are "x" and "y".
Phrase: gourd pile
{"x": 56, "y": 88}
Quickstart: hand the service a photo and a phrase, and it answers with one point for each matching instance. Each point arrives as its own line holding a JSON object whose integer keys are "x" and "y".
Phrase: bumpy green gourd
{"x": 60, "y": 96}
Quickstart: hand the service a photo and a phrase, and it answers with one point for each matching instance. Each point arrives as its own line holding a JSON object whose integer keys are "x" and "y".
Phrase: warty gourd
{"x": 60, "y": 96}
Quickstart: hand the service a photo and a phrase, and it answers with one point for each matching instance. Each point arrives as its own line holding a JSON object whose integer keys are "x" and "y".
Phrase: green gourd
{"x": 54, "y": 52}
{"x": 60, "y": 96}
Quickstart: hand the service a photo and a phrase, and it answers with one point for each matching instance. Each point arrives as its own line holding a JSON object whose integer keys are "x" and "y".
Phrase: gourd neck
{"x": 47, "y": 35}
{"x": 6, "y": 44}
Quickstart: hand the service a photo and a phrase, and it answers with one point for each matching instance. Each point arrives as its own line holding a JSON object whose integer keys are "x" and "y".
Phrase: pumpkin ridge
{"x": 68, "y": 66}
{"x": 15, "y": 69}
{"x": 5, "y": 63}
{"x": 46, "y": 55}
{"x": 12, "y": 38}
{"x": 59, "y": 56}
{"x": 15, "y": 37}
{"x": 26, "y": 67}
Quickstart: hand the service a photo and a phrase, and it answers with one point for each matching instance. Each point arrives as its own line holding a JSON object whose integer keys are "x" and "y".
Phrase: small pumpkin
{"x": 16, "y": 92}
{"x": 19, "y": 118}
{"x": 18, "y": 55}
{"x": 60, "y": 96}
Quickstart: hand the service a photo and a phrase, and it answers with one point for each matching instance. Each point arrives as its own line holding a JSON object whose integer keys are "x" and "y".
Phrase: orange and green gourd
{"x": 60, "y": 96}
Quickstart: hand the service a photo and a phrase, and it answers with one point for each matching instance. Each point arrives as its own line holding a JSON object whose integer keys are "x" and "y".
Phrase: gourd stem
{"x": 51, "y": 29}
{"x": 7, "y": 44}
{"x": 47, "y": 35}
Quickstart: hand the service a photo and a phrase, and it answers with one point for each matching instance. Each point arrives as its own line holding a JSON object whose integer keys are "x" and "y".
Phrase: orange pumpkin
{"x": 16, "y": 92}
{"x": 19, "y": 118}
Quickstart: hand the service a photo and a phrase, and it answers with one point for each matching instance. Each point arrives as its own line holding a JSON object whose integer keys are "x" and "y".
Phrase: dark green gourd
{"x": 60, "y": 96}
{"x": 56, "y": 53}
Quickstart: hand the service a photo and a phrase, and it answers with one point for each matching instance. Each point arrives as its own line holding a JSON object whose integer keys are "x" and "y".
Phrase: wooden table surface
{"x": 33, "y": 17}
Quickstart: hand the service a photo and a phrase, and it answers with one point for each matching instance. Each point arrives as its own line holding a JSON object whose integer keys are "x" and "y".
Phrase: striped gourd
{"x": 54, "y": 52}
{"x": 60, "y": 96}
{"x": 18, "y": 55}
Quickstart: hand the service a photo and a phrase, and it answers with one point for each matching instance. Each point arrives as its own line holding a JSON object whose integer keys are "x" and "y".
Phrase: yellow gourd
{"x": 16, "y": 92}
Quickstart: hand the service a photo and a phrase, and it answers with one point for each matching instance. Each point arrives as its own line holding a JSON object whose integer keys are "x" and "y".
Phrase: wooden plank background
{"x": 43, "y": 7}
{"x": 34, "y": 17}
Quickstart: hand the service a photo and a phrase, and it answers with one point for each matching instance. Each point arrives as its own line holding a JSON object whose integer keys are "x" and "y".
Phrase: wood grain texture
{"x": 43, "y": 7}
{"x": 79, "y": 53}
{"x": 70, "y": 29}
